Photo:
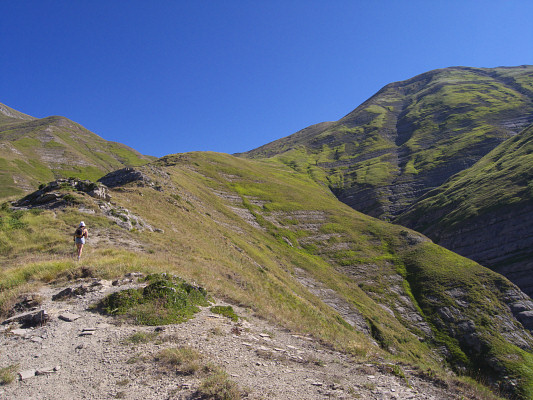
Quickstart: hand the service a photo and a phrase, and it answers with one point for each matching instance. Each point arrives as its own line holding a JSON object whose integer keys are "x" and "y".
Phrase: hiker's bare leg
{"x": 80, "y": 249}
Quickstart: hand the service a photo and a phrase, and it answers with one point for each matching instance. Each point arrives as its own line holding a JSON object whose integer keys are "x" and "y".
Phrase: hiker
{"x": 80, "y": 236}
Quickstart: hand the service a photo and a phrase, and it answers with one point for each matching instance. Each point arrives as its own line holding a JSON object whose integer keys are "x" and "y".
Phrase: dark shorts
{"x": 80, "y": 240}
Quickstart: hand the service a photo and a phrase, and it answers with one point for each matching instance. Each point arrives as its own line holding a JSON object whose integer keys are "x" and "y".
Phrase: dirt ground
{"x": 93, "y": 357}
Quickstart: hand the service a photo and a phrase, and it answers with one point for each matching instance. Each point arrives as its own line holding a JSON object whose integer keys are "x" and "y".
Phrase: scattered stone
{"x": 88, "y": 329}
{"x": 27, "y": 302}
{"x": 37, "y": 339}
{"x": 29, "y": 319}
{"x": 69, "y": 292}
{"x": 20, "y": 332}
{"x": 134, "y": 275}
{"x": 264, "y": 335}
{"x": 87, "y": 333}
{"x": 159, "y": 329}
{"x": 23, "y": 375}
{"x": 46, "y": 371}
{"x": 69, "y": 317}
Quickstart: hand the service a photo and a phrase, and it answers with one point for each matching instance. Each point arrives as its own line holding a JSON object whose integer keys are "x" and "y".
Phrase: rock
{"x": 526, "y": 318}
{"x": 20, "y": 332}
{"x": 134, "y": 275}
{"x": 124, "y": 176}
{"x": 69, "y": 317}
{"x": 29, "y": 319}
{"x": 28, "y": 302}
{"x": 69, "y": 292}
{"x": 23, "y": 375}
{"x": 47, "y": 370}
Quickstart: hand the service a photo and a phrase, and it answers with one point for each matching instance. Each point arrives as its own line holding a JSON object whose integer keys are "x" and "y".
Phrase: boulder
{"x": 123, "y": 176}
{"x": 526, "y": 318}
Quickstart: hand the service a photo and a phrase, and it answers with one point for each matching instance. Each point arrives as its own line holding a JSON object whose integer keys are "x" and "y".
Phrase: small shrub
{"x": 7, "y": 374}
{"x": 218, "y": 386}
{"x": 141, "y": 337}
{"x": 226, "y": 311}
{"x": 166, "y": 300}
{"x": 71, "y": 199}
{"x": 185, "y": 360}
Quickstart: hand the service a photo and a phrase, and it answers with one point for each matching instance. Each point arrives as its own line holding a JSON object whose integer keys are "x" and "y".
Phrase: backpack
{"x": 79, "y": 232}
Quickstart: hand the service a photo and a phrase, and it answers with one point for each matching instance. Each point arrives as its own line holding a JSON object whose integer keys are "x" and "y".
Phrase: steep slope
{"x": 486, "y": 212}
{"x": 268, "y": 238}
{"x": 34, "y": 151}
{"x": 411, "y": 136}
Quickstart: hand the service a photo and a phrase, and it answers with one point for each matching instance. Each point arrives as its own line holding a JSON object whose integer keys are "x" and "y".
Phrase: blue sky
{"x": 230, "y": 75}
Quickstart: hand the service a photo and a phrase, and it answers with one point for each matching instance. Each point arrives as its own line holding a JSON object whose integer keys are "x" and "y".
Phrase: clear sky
{"x": 230, "y": 75}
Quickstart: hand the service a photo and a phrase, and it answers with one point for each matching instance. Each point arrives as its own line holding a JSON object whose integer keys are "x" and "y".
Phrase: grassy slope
{"x": 417, "y": 132}
{"x": 34, "y": 151}
{"x": 502, "y": 178}
{"x": 254, "y": 261}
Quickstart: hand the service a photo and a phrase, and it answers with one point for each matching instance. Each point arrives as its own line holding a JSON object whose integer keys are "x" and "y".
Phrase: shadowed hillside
{"x": 486, "y": 212}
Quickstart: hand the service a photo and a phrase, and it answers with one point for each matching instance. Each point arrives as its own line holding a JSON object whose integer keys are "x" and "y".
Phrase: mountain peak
{"x": 9, "y": 113}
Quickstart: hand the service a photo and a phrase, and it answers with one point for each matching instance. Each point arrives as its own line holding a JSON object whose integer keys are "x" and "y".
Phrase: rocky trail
{"x": 77, "y": 353}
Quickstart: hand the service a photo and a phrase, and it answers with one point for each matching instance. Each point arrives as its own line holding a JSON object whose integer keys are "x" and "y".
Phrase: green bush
{"x": 166, "y": 300}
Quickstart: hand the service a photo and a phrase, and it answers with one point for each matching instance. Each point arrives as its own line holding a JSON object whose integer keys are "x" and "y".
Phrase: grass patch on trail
{"x": 183, "y": 360}
{"x": 186, "y": 360}
{"x": 166, "y": 300}
{"x": 7, "y": 374}
{"x": 226, "y": 311}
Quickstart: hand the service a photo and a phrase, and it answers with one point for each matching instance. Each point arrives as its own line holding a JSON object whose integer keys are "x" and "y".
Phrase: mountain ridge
{"x": 392, "y": 137}
{"x": 34, "y": 151}
{"x": 414, "y": 137}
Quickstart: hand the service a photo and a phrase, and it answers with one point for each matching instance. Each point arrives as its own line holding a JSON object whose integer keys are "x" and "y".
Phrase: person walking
{"x": 80, "y": 236}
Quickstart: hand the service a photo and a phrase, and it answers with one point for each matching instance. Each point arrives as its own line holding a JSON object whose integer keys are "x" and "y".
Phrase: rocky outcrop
{"x": 53, "y": 194}
{"x": 501, "y": 240}
{"x": 124, "y": 176}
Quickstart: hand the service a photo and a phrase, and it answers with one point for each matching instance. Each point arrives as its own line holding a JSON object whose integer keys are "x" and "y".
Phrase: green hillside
{"x": 411, "y": 136}
{"x": 492, "y": 203}
{"x": 34, "y": 151}
{"x": 265, "y": 236}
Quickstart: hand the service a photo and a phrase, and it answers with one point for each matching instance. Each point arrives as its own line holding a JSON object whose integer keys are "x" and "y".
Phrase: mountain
{"x": 486, "y": 212}
{"x": 34, "y": 151}
{"x": 411, "y": 136}
{"x": 445, "y": 153}
{"x": 260, "y": 235}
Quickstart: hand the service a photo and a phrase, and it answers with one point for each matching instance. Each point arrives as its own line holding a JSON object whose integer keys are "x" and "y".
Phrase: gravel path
{"x": 91, "y": 357}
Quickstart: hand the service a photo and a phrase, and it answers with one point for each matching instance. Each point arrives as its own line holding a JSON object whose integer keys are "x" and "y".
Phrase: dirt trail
{"x": 93, "y": 358}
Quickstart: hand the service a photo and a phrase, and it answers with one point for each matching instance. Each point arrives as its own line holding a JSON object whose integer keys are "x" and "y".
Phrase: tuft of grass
{"x": 226, "y": 311}
{"x": 7, "y": 374}
{"x": 218, "y": 386}
{"x": 141, "y": 337}
{"x": 184, "y": 360}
